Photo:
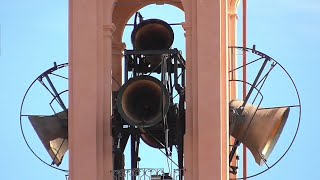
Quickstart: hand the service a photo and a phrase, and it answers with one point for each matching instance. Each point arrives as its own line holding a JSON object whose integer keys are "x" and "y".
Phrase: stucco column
{"x": 233, "y": 18}
{"x": 106, "y": 166}
{"x": 189, "y": 150}
{"x": 117, "y": 54}
{"x": 233, "y": 21}
{"x": 207, "y": 135}
{"x": 90, "y": 142}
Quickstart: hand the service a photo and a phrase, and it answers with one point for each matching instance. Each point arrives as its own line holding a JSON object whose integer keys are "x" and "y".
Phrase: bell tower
{"x": 96, "y": 49}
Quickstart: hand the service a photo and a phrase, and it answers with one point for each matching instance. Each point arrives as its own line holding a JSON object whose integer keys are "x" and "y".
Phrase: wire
{"x": 116, "y": 81}
{"x": 168, "y": 165}
{"x": 169, "y": 158}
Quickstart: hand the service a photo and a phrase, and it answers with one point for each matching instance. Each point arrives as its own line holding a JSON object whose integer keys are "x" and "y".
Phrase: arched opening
{"x": 168, "y": 13}
{"x": 175, "y": 17}
{"x": 123, "y": 17}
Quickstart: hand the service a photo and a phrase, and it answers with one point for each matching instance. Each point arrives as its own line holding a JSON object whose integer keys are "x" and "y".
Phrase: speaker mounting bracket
{"x": 261, "y": 61}
{"x": 52, "y": 84}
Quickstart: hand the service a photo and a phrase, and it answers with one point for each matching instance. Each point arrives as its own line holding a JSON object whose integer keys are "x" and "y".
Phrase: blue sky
{"x": 34, "y": 34}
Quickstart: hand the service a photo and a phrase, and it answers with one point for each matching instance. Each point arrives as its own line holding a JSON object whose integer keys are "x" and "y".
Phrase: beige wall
{"x": 96, "y": 28}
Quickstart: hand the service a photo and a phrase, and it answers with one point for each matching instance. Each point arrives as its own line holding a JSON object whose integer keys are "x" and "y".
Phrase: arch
{"x": 120, "y": 16}
{"x": 123, "y": 10}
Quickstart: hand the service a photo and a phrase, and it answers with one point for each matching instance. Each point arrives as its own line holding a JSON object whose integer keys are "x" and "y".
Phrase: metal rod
{"x": 27, "y": 115}
{"x": 137, "y": 150}
{"x": 171, "y": 24}
{"x": 169, "y": 158}
{"x": 135, "y": 66}
{"x": 244, "y": 91}
{"x": 240, "y": 110}
{"x": 59, "y": 76}
{"x": 151, "y": 52}
{"x": 56, "y": 93}
{"x": 233, "y": 151}
{"x": 253, "y": 85}
{"x": 176, "y": 84}
{"x": 246, "y": 64}
{"x": 280, "y": 107}
{"x": 163, "y": 80}
{"x": 45, "y": 86}
{"x": 133, "y": 154}
{"x": 126, "y": 61}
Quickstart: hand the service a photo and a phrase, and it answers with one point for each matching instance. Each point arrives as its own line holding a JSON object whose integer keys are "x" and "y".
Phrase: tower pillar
{"x": 90, "y": 54}
{"x": 117, "y": 55}
{"x": 92, "y": 64}
{"x": 206, "y": 148}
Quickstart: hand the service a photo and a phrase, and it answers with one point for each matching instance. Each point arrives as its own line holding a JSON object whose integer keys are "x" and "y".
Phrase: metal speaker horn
{"x": 53, "y": 133}
{"x": 258, "y": 129}
{"x": 143, "y": 101}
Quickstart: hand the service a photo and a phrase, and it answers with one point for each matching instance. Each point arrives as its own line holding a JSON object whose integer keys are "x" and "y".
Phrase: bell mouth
{"x": 139, "y": 101}
{"x": 275, "y": 134}
{"x": 152, "y": 34}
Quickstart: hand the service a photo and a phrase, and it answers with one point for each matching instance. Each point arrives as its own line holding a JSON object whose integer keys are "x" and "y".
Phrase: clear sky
{"x": 34, "y": 34}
